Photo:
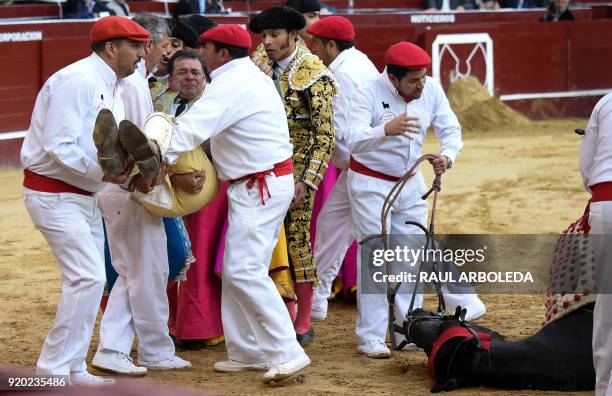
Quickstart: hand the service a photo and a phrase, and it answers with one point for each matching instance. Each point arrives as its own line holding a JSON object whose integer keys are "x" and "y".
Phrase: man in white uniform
{"x": 389, "y": 119}
{"x": 138, "y": 303}
{"x": 596, "y": 171}
{"x": 62, "y": 178}
{"x": 242, "y": 114}
{"x": 333, "y": 43}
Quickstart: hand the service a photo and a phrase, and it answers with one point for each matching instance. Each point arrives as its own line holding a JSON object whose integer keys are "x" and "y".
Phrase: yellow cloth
{"x": 184, "y": 203}
{"x": 279, "y": 268}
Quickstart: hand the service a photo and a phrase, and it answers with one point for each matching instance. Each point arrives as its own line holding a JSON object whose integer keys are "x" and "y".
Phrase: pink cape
{"x": 198, "y": 308}
{"x": 348, "y": 271}
{"x": 196, "y": 312}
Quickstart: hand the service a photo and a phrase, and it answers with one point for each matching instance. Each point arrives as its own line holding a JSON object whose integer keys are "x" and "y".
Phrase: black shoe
{"x": 189, "y": 345}
{"x": 144, "y": 151}
{"x": 111, "y": 156}
{"x": 306, "y": 338}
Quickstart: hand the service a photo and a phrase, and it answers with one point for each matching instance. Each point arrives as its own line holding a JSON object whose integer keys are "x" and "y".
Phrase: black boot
{"x": 306, "y": 338}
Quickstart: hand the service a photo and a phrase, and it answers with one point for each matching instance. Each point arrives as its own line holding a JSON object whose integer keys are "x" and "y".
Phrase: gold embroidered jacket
{"x": 157, "y": 87}
{"x": 307, "y": 88}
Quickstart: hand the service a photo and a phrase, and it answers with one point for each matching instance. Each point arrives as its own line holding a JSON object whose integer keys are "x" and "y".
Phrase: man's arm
{"x": 597, "y": 134}
{"x": 342, "y": 104}
{"x": 446, "y": 125}
{"x": 209, "y": 116}
{"x": 69, "y": 103}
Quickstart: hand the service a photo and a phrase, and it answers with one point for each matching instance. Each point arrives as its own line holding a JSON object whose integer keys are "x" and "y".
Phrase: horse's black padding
{"x": 558, "y": 357}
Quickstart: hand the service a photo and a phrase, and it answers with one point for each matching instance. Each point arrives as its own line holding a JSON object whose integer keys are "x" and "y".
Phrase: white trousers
{"x": 72, "y": 226}
{"x": 256, "y": 323}
{"x": 600, "y": 220}
{"x": 138, "y": 303}
{"x": 367, "y": 196}
{"x": 335, "y": 234}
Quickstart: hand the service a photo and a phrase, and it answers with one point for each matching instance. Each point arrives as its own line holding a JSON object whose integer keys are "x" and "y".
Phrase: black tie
{"x": 181, "y": 107}
{"x": 274, "y": 67}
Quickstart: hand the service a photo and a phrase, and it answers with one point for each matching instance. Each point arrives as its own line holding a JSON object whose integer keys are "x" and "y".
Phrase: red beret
{"x": 333, "y": 27}
{"x": 227, "y": 34}
{"x": 407, "y": 55}
{"x": 111, "y": 27}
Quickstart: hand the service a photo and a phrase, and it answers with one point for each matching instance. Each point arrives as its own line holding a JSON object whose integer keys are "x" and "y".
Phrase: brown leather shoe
{"x": 144, "y": 151}
{"x": 111, "y": 156}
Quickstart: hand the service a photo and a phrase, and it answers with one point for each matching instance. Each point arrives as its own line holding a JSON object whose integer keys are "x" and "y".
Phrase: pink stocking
{"x": 303, "y": 292}
{"x": 291, "y": 308}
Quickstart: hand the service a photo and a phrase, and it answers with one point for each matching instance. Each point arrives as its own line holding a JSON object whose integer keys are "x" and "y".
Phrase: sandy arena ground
{"x": 515, "y": 181}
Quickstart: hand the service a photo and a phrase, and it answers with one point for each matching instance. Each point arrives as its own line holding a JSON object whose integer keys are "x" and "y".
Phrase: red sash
{"x": 364, "y": 170}
{"x": 449, "y": 334}
{"x": 41, "y": 183}
{"x": 602, "y": 192}
{"x": 280, "y": 169}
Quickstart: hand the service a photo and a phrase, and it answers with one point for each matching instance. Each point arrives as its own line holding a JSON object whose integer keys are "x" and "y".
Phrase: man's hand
{"x": 299, "y": 195}
{"x": 122, "y": 178}
{"x": 163, "y": 171}
{"x": 439, "y": 163}
{"x": 145, "y": 186}
{"x": 265, "y": 68}
{"x": 192, "y": 182}
{"x": 141, "y": 184}
{"x": 403, "y": 125}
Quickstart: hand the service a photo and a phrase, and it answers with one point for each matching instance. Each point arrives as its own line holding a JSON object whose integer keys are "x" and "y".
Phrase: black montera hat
{"x": 304, "y": 6}
{"x": 280, "y": 17}
{"x": 183, "y": 32}
{"x": 199, "y": 23}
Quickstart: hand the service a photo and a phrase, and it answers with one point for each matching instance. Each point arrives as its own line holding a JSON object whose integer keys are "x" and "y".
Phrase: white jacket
{"x": 378, "y": 102}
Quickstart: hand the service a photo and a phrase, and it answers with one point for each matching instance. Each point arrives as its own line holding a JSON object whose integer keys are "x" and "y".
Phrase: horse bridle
{"x": 430, "y": 243}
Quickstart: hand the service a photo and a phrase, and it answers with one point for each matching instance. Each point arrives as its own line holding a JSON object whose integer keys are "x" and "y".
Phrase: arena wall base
{"x": 9, "y": 153}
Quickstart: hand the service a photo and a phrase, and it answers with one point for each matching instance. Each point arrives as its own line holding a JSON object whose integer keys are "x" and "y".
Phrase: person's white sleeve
{"x": 362, "y": 137}
{"x": 342, "y": 104}
{"x": 137, "y": 103}
{"x": 446, "y": 126}
{"x": 588, "y": 148}
{"x": 69, "y": 102}
{"x": 598, "y": 134}
{"x": 210, "y": 115}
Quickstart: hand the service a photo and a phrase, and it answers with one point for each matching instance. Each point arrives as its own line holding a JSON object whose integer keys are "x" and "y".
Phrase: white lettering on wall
{"x": 20, "y": 36}
{"x": 432, "y": 18}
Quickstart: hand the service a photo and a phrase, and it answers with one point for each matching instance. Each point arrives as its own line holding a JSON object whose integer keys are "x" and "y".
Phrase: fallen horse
{"x": 558, "y": 357}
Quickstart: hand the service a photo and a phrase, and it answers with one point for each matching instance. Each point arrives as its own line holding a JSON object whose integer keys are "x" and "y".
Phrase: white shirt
{"x": 59, "y": 143}
{"x": 596, "y": 148}
{"x": 378, "y": 102}
{"x": 352, "y": 69}
{"x": 176, "y": 103}
{"x": 137, "y": 97}
{"x": 282, "y": 64}
{"x": 244, "y": 117}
